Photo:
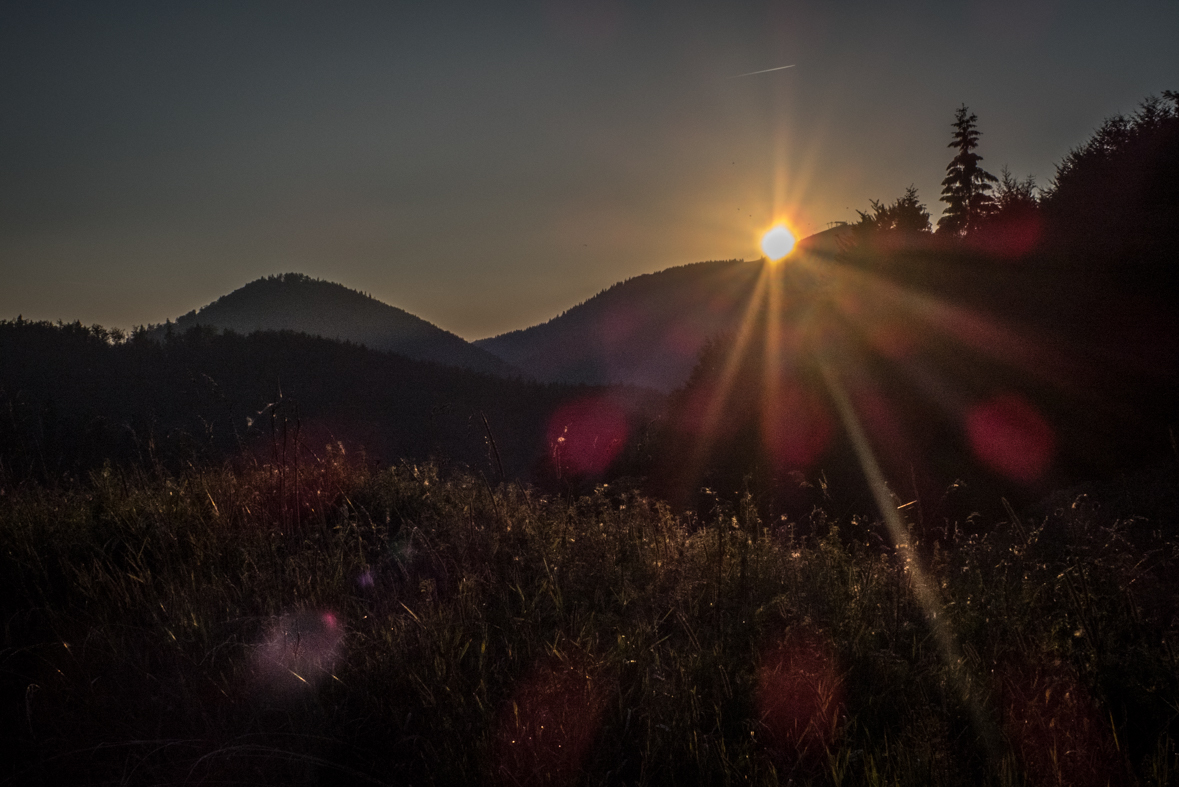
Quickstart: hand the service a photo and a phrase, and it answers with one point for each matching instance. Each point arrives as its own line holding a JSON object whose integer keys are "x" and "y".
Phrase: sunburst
{"x": 778, "y": 242}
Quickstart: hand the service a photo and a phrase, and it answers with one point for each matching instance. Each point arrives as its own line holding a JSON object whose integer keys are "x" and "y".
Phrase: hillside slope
{"x": 296, "y": 302}
{"x": 646, "y": 331}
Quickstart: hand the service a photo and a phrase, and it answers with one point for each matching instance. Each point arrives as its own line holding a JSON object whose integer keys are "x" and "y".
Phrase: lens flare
{"x": 585, "y": 436}
{"x": 799, "y": 698}
{"x": 298, "y": 651}
{"x": 1010, "y": 436}
{"x": 778, "y": 242}
{"x": 1053, "y": 723}
{"x": 547, "y": 728}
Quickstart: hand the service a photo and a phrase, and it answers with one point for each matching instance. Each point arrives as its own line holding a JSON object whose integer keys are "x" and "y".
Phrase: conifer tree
{"x": 907, "y": 216}
{"x": 967, "y": 185}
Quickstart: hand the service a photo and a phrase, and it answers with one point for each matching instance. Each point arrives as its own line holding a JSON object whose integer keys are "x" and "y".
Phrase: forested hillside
{"x": 74, "y": 398}
{"x": 644, "y": 331}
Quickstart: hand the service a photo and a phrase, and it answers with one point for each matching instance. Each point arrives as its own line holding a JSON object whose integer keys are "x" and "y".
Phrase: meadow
{"x": 329, "y": 622}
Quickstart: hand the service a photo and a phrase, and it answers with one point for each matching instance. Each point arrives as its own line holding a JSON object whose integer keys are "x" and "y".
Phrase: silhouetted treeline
{"x": 1093, "y": 258}
{"x": 1114, "y": 204}
{"x": 73, "y": 397}
{"x": 1030, "y": 346}
{"x": 1113, "y": 200}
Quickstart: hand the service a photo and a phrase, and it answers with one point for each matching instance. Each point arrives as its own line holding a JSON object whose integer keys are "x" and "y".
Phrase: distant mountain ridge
{"x": 646, "y": 331}
{"x": 296, "y": 302}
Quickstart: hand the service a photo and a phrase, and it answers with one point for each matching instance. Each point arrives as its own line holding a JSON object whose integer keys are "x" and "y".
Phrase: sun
{"x": 778, "y": 242}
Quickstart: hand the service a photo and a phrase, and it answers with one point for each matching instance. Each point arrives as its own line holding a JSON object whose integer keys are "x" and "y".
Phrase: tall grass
{"x": 406, "y": 626}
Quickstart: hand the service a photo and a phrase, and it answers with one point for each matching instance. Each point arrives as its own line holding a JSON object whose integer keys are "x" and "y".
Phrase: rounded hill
{"x": 296, "y": 302}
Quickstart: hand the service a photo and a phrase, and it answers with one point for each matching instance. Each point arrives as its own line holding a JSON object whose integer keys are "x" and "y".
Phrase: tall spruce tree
{"x": 966, "y": 189}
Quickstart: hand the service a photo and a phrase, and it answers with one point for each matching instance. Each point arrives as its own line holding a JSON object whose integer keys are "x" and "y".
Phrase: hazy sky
{"x": 488, "y": 165}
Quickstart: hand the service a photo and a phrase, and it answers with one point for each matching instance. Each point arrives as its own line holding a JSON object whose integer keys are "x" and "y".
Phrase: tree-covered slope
{"x": 644, "y": 331}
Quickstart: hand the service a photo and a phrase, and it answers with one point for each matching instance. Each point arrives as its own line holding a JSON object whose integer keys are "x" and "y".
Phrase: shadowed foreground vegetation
{"x": 350, "y": 626}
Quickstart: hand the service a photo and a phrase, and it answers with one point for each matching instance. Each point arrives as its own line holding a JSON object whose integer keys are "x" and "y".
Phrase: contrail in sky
{"x": 765, "y": 71}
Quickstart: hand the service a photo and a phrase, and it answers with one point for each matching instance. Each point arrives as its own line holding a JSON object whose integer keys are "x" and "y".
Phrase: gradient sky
{"x": 487, "y": 165}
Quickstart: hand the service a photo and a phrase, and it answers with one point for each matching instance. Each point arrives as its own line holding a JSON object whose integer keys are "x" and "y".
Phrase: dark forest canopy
{"x": 76, "y": 396}
{"x": 1118, "y": 194}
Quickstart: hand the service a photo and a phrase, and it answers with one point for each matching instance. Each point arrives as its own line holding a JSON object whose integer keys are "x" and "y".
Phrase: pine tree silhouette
{"x": 907, "y": 215}
{"x": 967, "y": 185}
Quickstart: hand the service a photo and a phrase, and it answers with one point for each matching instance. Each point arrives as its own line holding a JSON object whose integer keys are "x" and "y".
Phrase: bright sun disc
{"x": 777, "y": 243}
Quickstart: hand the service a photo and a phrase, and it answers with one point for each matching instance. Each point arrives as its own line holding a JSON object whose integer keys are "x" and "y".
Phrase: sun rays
{"x": 911, "y": 359}
{"x": 844, "y": 356}
{"x": 924, "y": 589}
